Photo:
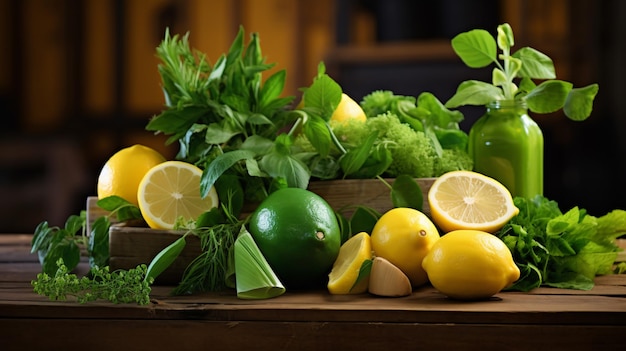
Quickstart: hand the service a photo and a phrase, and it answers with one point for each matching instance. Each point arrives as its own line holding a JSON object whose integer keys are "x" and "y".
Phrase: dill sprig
{"x": 207, "y": 272}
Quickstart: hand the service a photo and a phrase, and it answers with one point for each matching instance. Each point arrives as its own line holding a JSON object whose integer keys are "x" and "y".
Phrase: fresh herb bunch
{"x": 227, "y": 109}
{"x": 563, "y": 250}
{"x": 124, "y": 286}
{"x": 54, "y": 243}
{"x": 478, "y": 49}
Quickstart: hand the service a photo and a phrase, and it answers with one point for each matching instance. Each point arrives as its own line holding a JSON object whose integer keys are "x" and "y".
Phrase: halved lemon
{"x": 470, "y": 200}
{"x": 171, "y": 190}
{"x": 345, "y": 271}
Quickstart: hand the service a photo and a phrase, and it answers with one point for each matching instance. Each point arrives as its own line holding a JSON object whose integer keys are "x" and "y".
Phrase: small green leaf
{"x": 548, "y": 96}
{"x": 98, "y": 244}
{"x": 219, "y": 133}
{"x": 505, "y": 37}
{"x": 41, "y": 237}
{"x": 318, "y": 134}
{"x": 171, "y": 121}
{"x": 473, "y": 92}
{"x": 363, "y": 220}
{"x": 354, "y": 159}
{"x": 324, "y": 94}
{"x": 165, "y": 258}
{"x": 579, "y": 102}
{"x": 280, "y": 165}
{"x": 405, "y": 192}
{"x": 476, "y": 48}
{"x": 364, "y": 272}
{"x": 535, "y": 64}
{"x": 272, "y": 88}
{"x": 220, "y": 165}
{"x": 498, "y": 77}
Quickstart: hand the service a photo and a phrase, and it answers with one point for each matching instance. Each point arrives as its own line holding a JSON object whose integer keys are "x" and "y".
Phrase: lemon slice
{"x": 345, "y": 271}
{"x": 470, "y": 200}
{"x": 171, "y": 190}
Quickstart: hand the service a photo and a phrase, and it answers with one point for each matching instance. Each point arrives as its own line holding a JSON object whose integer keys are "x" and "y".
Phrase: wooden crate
{"x": 130, "y": 246}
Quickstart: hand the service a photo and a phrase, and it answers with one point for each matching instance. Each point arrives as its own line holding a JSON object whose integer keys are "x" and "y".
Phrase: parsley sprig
{"x": 123, "y": 286}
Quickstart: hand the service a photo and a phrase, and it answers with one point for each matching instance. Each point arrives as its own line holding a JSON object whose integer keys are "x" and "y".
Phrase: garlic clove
{"x": 388, "y": 280}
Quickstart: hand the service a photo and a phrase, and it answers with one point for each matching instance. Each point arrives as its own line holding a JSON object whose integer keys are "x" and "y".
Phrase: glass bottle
{"x": 506, "y": 144}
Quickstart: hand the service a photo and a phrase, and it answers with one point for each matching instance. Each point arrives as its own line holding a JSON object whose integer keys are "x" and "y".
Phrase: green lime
{"x": 298, "y": 233}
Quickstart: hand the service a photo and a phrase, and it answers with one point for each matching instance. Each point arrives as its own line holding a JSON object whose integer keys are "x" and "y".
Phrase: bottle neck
{"x": 518, "y": 106}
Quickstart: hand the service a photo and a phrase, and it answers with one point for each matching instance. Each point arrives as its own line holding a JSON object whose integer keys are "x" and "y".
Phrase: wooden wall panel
{"x": 144, "y": 31}
{"x": 45, "y": 53}
{"x": 277, "y": 23}
{"x": 212, "y": 25}
{"x": 98, "y": 77}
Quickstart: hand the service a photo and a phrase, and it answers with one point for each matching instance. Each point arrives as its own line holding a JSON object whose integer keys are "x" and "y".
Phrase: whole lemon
{"x": 470, "y": 265}
{"x": 348, "y": 109}
{"x": 123, "y": 172}
{"x": 298, "y": 234}
{"x": 404, "y": 236}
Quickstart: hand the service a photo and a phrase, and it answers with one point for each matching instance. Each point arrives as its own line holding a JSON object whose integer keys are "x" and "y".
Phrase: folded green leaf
{"x": 254, "y": 277}
{"x": 165, "y": 258}
{"x": 579, "y": 102}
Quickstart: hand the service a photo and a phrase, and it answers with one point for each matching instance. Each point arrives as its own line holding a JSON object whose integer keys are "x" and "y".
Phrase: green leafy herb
{"x": 213, "y": 110}
{"x": 124, "y": 286}
{"x": 165, "y": 258}
{"x": 478, "y": 49}
{"x": 208, "y": 271}
{"x": 564, "y": 250}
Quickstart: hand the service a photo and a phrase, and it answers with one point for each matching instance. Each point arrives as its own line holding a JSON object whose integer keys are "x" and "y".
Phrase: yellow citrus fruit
{"x": 404, "y": 236}
{"x": 470, "y": 264}
{"x": 171, "y": 190}
{"x": 348, "y": 109}
{"x": 122, "y": 173}
{"x": 470, "y": 200}
{"x": 345, "y": 271}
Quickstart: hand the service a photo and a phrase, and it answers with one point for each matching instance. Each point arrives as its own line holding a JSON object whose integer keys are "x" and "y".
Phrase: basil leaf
{"x": 220, "y": 165}
{"x": 548, "y": 96}
{"x": 579, "y": 102}
{"x": 474, "y": 92}
{"x": 352, "y": 161}
{"x": 318, "y": 134}
{"x": 363, "y": 220}
{"x": 272, "y": 88}
{"x": 165, "y": 258}
{"x": 98, "y": 244}
{"x": 324, "y": 94}
{"x": 405, "y": 192}
{"x": 535, "y": 64}
{"x": 476, "y": 48}
{"x": 281, "y": 165}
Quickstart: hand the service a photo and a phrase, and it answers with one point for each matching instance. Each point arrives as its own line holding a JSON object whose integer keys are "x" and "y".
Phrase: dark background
{"x": 78, "y": 79}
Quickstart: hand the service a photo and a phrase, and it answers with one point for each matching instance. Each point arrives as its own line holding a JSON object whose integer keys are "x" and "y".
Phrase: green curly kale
{"x": 412, "y": 152}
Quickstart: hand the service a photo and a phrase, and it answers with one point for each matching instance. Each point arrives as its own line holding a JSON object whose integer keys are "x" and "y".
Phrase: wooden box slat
{"x": 131, "y": 246}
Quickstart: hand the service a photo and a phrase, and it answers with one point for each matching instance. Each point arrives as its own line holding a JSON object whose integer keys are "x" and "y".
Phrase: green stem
{"x": 335, "y": 140}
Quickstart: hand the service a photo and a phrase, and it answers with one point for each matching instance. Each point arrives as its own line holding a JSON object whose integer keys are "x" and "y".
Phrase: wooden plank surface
{"x": 310, "y": 320}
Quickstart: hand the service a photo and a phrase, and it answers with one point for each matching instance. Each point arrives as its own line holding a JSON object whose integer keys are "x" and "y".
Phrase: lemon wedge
{"x": 345, "y": 271}
{"x": 470, "y": 200}
{"x": 171, "y": 190}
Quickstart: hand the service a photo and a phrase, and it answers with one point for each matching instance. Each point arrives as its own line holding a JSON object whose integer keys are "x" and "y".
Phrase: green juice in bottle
{"x": 506, "y": 144}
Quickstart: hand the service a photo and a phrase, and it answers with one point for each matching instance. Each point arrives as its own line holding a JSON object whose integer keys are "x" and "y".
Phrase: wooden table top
{"x": 545, "y": 318}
